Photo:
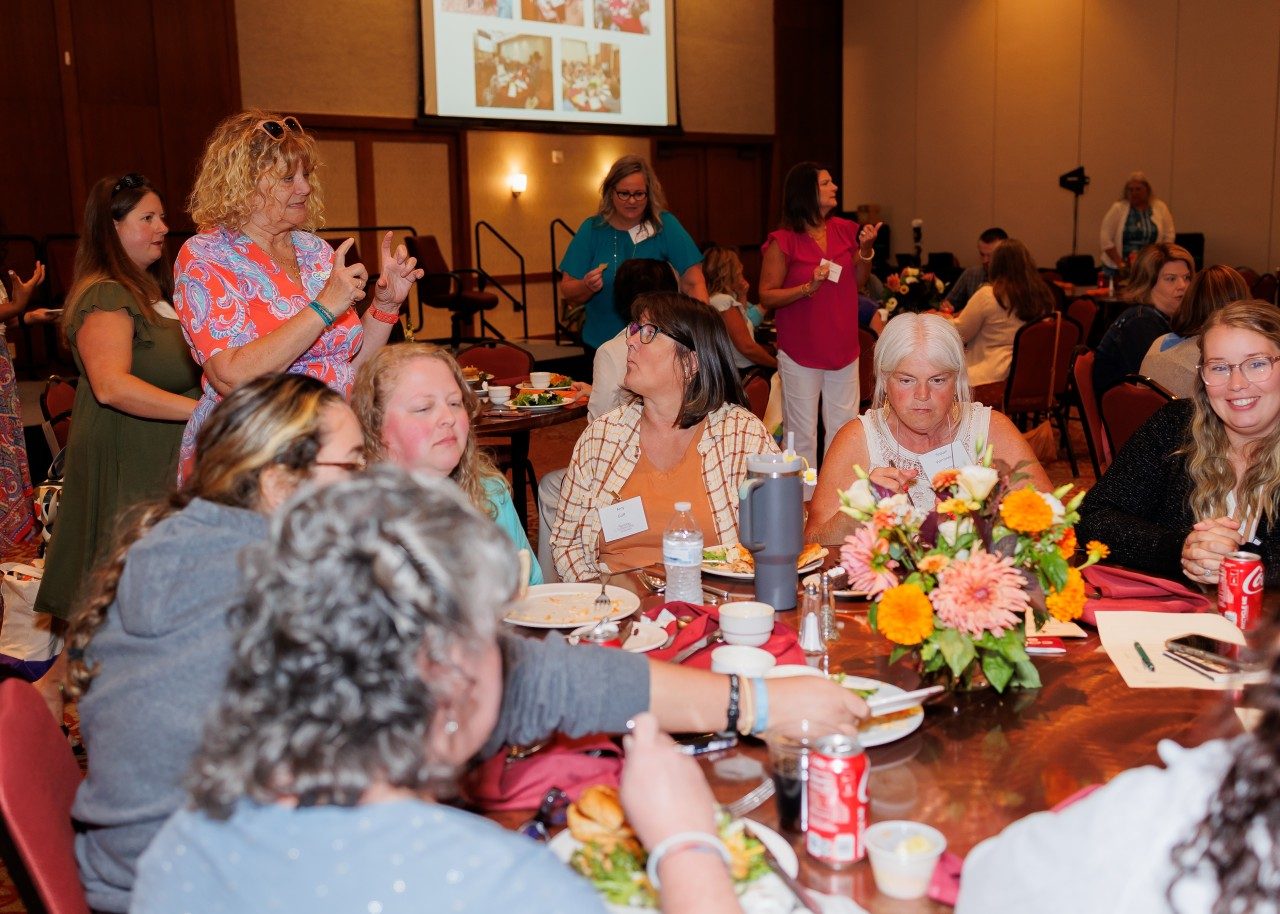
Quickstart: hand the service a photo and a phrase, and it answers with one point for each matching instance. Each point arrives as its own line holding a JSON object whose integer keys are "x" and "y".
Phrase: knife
{"x": 696, "y": 646}
{"x": 893, "y": 703}
{"x": 802, "y": 894}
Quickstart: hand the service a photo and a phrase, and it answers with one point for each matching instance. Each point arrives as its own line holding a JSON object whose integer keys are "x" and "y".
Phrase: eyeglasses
{"x": 1254, "y": 370}
{"x": 630, "y": 196}
{"x": 647, "y": 331}
{"x": 551, "y": 812}
{"x": 132, "y": 181}
{"x": 351, "y": 466}
{"x": 276, "y": 129}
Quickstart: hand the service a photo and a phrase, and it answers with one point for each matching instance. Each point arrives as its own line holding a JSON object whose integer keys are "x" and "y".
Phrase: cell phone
{"x": 705, "y": 743}
{"x": 1212, "y": 657}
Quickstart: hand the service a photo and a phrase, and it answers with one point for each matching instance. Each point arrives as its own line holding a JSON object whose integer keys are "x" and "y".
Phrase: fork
{"x": 602, "y": 605}
{"x": 750, "y": 800}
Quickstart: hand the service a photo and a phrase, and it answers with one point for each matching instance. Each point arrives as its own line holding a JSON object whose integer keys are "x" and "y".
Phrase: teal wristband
{"x": 322, "y": 311}
{"x": 761, "y": 693}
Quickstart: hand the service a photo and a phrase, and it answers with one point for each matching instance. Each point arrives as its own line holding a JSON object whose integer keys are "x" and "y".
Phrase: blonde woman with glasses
{"x": 256, "y": 290}
{"x": 1201, "y": 478}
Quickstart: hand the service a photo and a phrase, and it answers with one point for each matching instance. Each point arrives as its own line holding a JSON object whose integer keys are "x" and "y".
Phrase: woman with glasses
{"x": 684, "y": 437}
{"x": 417, "y": 410}
{"x": 366, "y": 674}
{"x": 137, "y": 382}
{"x": 257, "y": 292}
{"x": 632, "y": 222}
{"x": 813, "y": 266}
{"x": 1201, "y": 478}
{"x": 150, "y": 644}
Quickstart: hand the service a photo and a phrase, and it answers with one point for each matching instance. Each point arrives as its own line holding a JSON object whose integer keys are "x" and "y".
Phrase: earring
{"x": 451, "y": 727}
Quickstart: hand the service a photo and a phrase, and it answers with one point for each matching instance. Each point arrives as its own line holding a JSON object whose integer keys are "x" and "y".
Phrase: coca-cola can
{"x": 837, "y": 795}
{"x": 1240, "y": 589}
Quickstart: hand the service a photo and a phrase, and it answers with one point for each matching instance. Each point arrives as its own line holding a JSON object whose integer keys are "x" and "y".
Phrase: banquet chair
{"x": 56, "y": 401}
{"x": 1129, "y": 404}
{"x": 508, "y": 363}
{"x": 450, "y": 290}
{"x": 1084, "y": 312}
{"x": 866, "y": 366}
{"x": 1086, "y": 401}
{"x": 1038, "y": 373}
{"x": 755, "y": 384}
{"x": 1265, "y": 288}
{"x": 38, "y": 780}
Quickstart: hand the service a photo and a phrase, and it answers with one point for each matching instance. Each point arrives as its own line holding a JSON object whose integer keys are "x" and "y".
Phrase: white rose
{"x": 1059, "y": 512}
{"x": 861, "y": 497}
{"x": 950, "y": 531}
{"x": 976, "y": 482}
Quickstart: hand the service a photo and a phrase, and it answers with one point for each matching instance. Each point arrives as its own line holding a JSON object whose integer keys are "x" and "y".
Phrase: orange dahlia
{"x": 1025, "y": 511}
{"x": 1067, "y": 545}
{"x": 944, "y": 479}
{"x": 905, "y": 615}
{"x": 1095, "y": 548}
{"x": 1067, "y": 603}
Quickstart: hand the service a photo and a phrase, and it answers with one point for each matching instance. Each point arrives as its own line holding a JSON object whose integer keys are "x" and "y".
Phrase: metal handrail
{"x": 367, "y": 228}
{"x": 556, "y": 275}
{"x": 517, "y": 303}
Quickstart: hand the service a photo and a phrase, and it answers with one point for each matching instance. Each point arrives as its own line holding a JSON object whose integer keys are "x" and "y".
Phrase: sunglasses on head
{"x": 132, "y": 181}
{"x": 276, "y": 129}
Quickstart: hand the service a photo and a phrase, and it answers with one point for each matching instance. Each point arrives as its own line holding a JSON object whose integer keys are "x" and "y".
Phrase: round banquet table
{"x": 981, "y": 760}
{"x": 517, "y": 425}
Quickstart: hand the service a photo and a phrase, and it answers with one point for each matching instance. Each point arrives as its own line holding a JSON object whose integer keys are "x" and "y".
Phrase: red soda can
{"x": 837, "y": 794}
{"x": 1240, "y": 589}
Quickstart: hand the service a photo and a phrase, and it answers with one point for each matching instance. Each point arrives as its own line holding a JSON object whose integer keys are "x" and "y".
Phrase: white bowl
{"x": 499, "y": 395}
{"x": 746, "y": 623}
{"x": 902, "y": 870}
{"x": 540, "y": 379}
{"x": 745, "y": 661}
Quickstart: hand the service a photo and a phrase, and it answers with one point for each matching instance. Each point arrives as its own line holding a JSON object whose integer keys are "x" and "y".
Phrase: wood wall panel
{"x": 808, "y": 110}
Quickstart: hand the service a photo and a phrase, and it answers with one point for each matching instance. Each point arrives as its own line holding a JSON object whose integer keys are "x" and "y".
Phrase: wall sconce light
{"x": 519, "y": 183}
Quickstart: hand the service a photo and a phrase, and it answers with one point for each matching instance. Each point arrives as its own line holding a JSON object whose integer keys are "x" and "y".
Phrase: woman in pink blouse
{"x": 812, "y": 268}
{"x": 256, "y": 290}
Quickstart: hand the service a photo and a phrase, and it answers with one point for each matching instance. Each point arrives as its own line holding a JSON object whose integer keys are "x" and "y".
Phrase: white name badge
{"x": 624, "y": 518}
{"x": 833, "y": 270}
{"x": 642, "y": 231}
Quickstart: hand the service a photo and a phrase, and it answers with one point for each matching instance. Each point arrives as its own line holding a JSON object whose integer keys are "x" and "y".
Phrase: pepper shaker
{"x": 827, "y": 609}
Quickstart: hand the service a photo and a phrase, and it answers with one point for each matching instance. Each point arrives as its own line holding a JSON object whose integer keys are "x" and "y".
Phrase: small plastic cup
{"x": 789, "y": 747}
{"x": 903, "y": 856}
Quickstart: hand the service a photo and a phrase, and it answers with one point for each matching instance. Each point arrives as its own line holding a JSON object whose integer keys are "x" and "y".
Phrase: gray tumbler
{"x": 771, "y": 525}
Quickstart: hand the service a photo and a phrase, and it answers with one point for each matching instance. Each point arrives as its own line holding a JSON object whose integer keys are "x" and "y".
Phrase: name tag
{"x": 625, "y": 518}
{"x": 833, "y": 269}
{"x": 640, "y": 232}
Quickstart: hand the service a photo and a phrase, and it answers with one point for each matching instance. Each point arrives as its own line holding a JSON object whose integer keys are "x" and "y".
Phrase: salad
{"x": 547, "y": 399}
{"x": 863, "y": 693}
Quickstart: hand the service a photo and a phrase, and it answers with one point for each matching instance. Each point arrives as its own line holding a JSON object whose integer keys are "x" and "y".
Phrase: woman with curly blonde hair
{"x": 416, "y": 410}
{"x": 1202, "y": 477}
{"x": 256, "y": 290}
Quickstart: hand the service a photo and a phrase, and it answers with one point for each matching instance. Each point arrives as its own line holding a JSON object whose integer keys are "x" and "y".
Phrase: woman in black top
{"x": 1160, "y": 280}
{"x": 1202, "y": 477}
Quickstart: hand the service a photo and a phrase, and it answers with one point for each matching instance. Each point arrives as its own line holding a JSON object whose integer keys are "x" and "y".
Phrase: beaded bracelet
{"x": 734, "y": 694}
{"x": 761, "y": 692}
{"x": 693, "y": 840}
{"x": 322, "y": 312}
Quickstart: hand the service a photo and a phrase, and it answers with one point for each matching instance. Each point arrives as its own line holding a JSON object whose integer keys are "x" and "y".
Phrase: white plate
{"x": 538, "y": 409}
{"x": 525, "y": 385}
{"x": 842, "y": 594}
{"x": 648, "y": 636}
{"x": 715, "y": 569}
{"x": 568, "y": 605}
{"x": 768, "y": 893}
{"x": 876, "y": 731}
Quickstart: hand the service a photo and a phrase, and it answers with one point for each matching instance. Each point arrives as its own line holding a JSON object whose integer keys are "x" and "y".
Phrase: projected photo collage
{"x": 515, "y": 69}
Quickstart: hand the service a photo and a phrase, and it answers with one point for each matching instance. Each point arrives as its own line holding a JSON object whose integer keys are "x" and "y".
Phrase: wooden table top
{"x": 980, "y": 761}
{"x": 493, "y": 421}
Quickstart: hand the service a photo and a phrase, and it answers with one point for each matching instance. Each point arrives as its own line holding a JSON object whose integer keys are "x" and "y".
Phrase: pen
{"x": 1146, "y": 661}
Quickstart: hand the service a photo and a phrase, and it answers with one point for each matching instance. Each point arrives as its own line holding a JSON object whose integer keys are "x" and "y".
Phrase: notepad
{"x": 1119, "y": 630}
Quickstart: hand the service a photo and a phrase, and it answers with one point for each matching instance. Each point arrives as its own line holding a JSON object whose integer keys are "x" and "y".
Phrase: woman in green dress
{"x": 138, "y": 382}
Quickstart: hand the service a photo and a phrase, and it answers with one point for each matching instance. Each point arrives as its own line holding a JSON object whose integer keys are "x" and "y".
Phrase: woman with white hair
{"x": 1134, "y": 221}
{"x": 922, "y": 420}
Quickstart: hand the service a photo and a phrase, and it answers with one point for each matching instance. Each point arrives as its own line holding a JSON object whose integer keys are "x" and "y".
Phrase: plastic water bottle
{"x": 682, "y": 555}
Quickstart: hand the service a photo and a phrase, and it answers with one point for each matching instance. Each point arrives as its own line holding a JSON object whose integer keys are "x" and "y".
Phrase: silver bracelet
{"x": 695, "y": 840}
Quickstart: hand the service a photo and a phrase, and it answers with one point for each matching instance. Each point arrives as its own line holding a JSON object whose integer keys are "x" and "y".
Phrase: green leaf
{"x": 899, "y": 652}
{"x": 955, "y": 648}
{"x": 1026, "y": 675}
{"x": 998, "y": 670}
{"x": 872, "y": 612}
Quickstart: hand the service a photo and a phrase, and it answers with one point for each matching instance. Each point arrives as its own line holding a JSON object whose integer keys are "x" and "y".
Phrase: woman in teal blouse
{"x": 631, "y": 223}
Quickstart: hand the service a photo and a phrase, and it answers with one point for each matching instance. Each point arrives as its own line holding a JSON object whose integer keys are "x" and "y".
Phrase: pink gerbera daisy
{"x": 983, "y": 593}
{"x": 865, "y": 556}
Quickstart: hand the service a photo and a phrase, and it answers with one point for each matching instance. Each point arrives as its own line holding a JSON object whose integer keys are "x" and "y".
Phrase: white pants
{"x": 801, "y": 388}
{"x": 548, "y": 505}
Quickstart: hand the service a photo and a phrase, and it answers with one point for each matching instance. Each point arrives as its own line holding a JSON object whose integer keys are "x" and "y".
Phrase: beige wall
{"x": 963, "y": 114}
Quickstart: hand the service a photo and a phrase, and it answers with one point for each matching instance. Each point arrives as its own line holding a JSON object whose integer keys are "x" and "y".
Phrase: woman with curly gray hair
{"x": 367, "y": 672}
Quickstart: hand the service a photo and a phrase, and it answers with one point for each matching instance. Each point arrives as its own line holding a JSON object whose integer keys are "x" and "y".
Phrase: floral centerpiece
{"x": 912, "y": 290}
{"x": 953, "y": 586}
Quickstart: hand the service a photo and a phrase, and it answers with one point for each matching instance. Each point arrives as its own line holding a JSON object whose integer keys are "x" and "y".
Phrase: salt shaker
{"x": 811, "y": 640}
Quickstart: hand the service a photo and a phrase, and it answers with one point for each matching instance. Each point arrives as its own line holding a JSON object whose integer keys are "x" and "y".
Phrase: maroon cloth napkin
{"x": 1120, "y": 588}
{"x": 500, "y": 783}
{"x": 783, "y": 643}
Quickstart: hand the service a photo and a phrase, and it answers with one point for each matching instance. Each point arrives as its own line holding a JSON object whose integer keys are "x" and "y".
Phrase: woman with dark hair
{"x": 138, "y": 382}
{"x": 1160, "y": 280}
{"x": 367, "y": 673}
{"x": 1201, "y": 478}
{"x": 1197, "y": 836}
{"x": 685, "y": 437}
{"x": 1173, "y": 360}
{"x": 813, "y": 266}
{"x": 1016, "y": 296}
{"x": 632, "y": 222}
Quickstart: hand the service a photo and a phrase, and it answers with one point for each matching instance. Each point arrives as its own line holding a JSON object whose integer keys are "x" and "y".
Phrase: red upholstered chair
{"x": 1095, "y": 437}
{"x": 1038, "y": 373}
{"x": 508, "y": 363}
{"x": 866, "y": 366}
{"x": 755, "y": 384}
{"x": 38, "y": 781}
{"x": 56, "y": 400}
{"x": 1265, "y": 288}
{"x": 1129, "y": 404}
{"x": 1083, "y": 311}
